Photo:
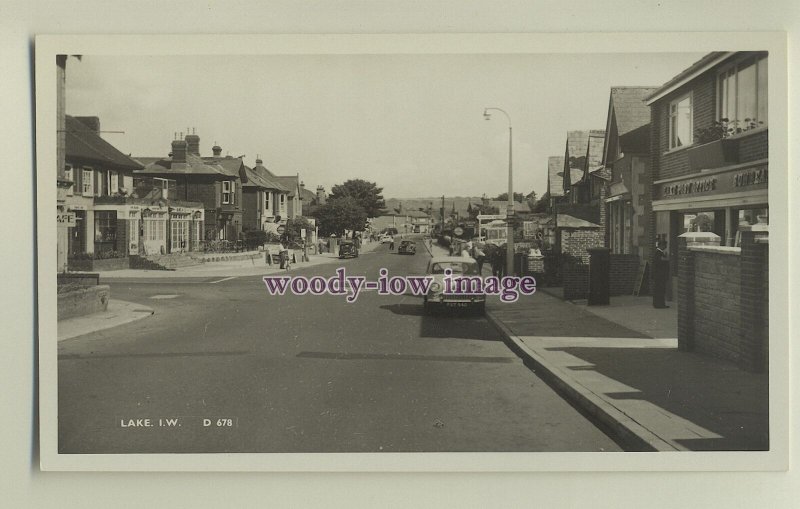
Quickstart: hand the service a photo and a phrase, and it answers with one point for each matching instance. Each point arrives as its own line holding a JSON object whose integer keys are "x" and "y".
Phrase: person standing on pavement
{"x": 391, "y": 242}
{"x": 660, "y": 275}
{"x": 479, "y": 256}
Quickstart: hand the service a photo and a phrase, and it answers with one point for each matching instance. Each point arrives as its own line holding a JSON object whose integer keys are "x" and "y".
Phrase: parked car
{"x": 385, "y": 239}
{"x": 438, "y": 299}
{"x": 407, "y": 247}
{"x": 348, "y": 249}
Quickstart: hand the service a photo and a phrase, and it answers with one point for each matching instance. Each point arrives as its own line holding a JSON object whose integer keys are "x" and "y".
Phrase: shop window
{"x": 742, "y": 94}
{"x": 105, "y": 229}
{"x": 179, "y": 234}
{"x": 680, "y": 122}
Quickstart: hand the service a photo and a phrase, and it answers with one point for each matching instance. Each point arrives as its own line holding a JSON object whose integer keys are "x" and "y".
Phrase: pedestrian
{"x": 479, "y": 256}
{"x": 660, "y": 275}
{"x": 391, "y": 242}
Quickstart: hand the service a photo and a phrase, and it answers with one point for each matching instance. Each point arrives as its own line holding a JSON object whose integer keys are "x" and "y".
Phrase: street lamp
{"x": 510, "y": 210}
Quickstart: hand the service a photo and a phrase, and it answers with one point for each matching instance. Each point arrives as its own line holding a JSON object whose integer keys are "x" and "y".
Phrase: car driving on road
{"x": 407, "y": 247}
{"x": 348, "y": 249}
{"x": 458, "y": 267}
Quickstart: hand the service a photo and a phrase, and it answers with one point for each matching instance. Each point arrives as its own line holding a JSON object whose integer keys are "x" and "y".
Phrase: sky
{"x": 413, "y": 124}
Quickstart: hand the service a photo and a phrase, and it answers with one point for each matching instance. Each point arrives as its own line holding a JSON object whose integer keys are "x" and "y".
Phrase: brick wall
{"x": 623, "y": 270}
{"x": 716, "y": 324}
{"x": 754, "y": 147}
{"x": 575, "y": 278}
{"x": 576, "y": 242}
{"x": 723, "y": 303}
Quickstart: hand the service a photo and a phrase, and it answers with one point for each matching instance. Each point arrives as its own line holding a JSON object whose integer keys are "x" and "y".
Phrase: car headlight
{"x": 436, "y": 287}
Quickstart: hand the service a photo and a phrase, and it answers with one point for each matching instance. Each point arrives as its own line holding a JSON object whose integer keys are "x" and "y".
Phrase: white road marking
{"x": 221, "y": 280}
{"x": 163, "y": 296}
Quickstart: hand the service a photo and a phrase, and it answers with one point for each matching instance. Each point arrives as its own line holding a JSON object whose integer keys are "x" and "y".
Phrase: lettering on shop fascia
{"x": 750, "y": 177}
{"x": 695, "y": 186}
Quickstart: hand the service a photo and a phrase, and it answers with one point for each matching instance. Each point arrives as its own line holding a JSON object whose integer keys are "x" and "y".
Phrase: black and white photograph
{"x": 375, "y": 256}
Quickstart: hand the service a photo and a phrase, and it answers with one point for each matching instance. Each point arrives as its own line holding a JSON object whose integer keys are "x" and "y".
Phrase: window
{"x": 68, "y": 176}
{"x": 742, "y": 93}
{"x": 87, "y": 180}
{"x": 105, "y": 229}
{"x": 680, "y": 122}
{"x": 154, "y": 228}
{"x": 283, "y": 202}
{"x": 233, "y": 193}
{"x": 179, "y": 238}
{"x": 226, "y": 192}
{"x": 113, "y": 185}
{"x": 266, "y": 203}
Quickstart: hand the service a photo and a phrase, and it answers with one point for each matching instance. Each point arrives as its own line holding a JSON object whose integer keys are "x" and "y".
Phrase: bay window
{"x": 87, "y": 181}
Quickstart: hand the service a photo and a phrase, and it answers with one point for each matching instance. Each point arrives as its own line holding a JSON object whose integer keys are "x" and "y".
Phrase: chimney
{"x": 302, "y": 186}
{"x": 321, "y": 196}
{"x": 179, "y": 151}
{"x": 259, "y": 162}
{"x": 193, "y": 143}
{"x": 93, "y": 123}
{"x": 217, "y": 150}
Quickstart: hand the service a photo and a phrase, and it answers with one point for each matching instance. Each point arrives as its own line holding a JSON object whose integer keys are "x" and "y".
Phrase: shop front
{"x": 722, "y": 201}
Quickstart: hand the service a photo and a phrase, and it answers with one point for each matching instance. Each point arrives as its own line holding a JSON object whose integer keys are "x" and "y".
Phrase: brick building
{"x": 102, "y": 179}
{"x": 709, "y": 158}
{"x": 264, "y": 199}
{"x": 708, "y": 173}
{"x": 213, "y": 182}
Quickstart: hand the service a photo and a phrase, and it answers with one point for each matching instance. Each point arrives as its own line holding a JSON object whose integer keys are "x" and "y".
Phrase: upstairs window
{"x": 87, "y": 182}
{"x": 68, "y": 176}
{"x": 228, "y": 192}
{"x": 742, "y": 93}
{"x": 266, "y": 201}
{"x": 680, "y": 122}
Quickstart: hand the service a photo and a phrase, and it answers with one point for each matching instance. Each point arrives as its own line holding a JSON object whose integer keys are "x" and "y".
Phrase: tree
{"x": 531, "y": 199}
{"x": 293, "y": 227}
{"x": 340, "y": 214}
{"x": 542, "y": 204}
{"x": 483, "y": 210}
{"x": 366, "y": 194}
{"x": 518, "y": 197}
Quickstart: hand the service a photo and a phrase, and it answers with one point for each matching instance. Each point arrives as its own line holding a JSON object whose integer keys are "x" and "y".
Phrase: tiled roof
{"x": 269, "y": 178}
{"x": 555, "y": 175}
{"x": 231, "y": 166}
{"x": 630, "y": 109}
{"x": 194, "y": 165}
{"x": 86, "y": 146}
{"x": 291, "y": 183}
{"x": 307, "y": 195}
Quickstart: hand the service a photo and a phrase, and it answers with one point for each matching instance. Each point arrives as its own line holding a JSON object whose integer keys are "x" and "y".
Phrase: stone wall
{"x": 83, "y": 302}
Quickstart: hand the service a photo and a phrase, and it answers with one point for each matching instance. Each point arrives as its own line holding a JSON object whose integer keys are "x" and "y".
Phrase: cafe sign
{"x": 716, "y": 183}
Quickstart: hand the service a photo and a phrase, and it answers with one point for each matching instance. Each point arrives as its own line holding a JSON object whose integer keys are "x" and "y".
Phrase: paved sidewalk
{"x": 249, "y": 267}
{"x": 620, "y": 364}
{"x": 119, "y": 312}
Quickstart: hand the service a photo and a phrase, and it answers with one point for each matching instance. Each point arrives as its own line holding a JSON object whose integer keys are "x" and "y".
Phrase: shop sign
{"x": 66, "y": 219}
{"x": 725, "y": 182}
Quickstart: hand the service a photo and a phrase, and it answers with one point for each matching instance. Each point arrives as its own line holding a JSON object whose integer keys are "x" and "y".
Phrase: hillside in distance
{"x": 435, "y": 203}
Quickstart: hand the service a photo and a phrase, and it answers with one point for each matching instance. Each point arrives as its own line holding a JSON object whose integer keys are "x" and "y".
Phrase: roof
{"x": 85, "y": 145}
{"x": 503, "y": 205}
{"x": 555, "y": 175}
{"x": 291, "y": 183}
{"x": 231, "y": 166}
{"x": 687, "y": 74}
{"x": 567, "y": 221}
{"x": 594, "y": 151}
{"x": 629, "y": 108}
{"x": 194, "y": 165}
{"x": 269, "y": 178}
{"x": 307, "y": 195}
{"x": 414, "y": 213}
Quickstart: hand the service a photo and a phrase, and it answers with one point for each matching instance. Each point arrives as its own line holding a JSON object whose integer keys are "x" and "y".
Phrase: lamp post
{"x": 510, "y": 210}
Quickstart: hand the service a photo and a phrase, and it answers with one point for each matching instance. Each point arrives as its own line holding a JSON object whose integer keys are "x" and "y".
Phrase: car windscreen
{"x": 456, "y": 267}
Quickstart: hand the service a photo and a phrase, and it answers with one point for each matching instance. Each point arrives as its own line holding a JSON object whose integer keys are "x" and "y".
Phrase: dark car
{"x": 407, "y": 247}
{"x": 348, "y": 249}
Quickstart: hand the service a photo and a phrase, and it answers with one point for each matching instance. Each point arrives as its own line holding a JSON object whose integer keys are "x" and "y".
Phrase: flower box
{"x": 714, "y": 154}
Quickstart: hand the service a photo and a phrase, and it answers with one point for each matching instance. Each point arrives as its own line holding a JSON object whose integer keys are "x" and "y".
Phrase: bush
{"x": 99, "y": 255}
{"x": 254, "y": 238}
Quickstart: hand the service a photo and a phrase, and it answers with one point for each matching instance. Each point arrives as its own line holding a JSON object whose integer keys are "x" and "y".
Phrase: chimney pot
{"x": 217, "y": 150}
{"x": 193, "y": 144}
